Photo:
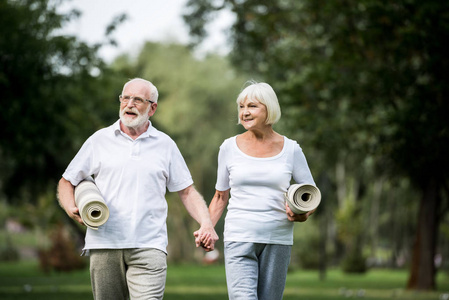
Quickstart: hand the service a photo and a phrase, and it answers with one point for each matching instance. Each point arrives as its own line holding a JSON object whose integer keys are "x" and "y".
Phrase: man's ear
{"x": 152, "y": 110}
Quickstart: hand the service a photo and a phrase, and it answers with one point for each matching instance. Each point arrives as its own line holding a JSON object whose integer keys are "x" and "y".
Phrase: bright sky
{"x": 148, "y": 20}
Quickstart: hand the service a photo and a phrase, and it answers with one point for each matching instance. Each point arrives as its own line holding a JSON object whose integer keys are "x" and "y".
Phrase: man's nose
{"x": 131, "y": 102}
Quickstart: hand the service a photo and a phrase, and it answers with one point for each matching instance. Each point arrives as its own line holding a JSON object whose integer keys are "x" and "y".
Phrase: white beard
{"x": 136, "y": 122}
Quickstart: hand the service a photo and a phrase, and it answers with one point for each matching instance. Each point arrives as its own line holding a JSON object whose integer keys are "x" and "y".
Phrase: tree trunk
{"x": 422, "y": 270}
{"x": 326, "y": 188}
{"x": 374, "y": 216}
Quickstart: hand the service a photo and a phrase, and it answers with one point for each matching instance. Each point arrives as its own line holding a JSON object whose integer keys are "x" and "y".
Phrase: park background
{"x": 363, "y": 87}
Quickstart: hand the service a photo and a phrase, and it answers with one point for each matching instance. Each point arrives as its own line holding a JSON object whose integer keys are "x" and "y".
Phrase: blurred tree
{"x": 50, "y": 85}
{"x": 365, "y": 80}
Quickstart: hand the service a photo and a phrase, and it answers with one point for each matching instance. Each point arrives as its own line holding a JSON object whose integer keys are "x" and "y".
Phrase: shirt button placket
{"x": 135, "y": 149}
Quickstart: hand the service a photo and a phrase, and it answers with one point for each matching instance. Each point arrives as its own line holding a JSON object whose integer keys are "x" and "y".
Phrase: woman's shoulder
{"x": 229, "y": 141}
{"x": 290, "y": 141}
{"x": 292, "y": 145}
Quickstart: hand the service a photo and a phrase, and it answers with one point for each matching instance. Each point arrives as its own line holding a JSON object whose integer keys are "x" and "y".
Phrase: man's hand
{"x": 74, "y": 213}
{"x": 197, "y": 208}
{"x": 206, "y": 237}
{"x": 67, "y": 200}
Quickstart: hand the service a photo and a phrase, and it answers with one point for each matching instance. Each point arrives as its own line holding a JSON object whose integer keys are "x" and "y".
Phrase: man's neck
{"x": 134, "y": 133}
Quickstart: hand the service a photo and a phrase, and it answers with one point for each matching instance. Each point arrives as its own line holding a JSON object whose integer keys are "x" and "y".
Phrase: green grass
{"x": 24, "y": 239}
{"x": 24, "y": 280}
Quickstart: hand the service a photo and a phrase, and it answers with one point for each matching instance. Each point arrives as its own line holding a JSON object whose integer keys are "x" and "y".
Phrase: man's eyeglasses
{"x": 137, "y": 100}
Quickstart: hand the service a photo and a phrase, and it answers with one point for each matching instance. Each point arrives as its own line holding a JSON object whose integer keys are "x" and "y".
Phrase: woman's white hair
{"x": 265, "y": 94}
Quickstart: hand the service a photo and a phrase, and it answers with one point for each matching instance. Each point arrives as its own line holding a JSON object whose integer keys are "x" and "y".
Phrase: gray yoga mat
{"x": 92, "y": 207}
{"x": 302, "y": 198}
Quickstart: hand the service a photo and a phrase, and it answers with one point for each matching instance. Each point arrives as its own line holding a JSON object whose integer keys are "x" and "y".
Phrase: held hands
{"x": 295, "y": 217}
{"x": 206, "y": 238}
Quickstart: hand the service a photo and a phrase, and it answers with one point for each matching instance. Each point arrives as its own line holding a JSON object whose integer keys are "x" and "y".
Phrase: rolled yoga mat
{"x": 92, "y": 207}
{"x": 302, "y": 198}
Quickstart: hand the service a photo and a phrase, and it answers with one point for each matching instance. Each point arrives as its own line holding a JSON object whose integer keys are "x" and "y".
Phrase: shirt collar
{"x": 151, "y": 131}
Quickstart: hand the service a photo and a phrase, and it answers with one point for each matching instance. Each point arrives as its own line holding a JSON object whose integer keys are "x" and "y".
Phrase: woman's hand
{"x": 205, "y": 239}
{"x": 297, "y": 217}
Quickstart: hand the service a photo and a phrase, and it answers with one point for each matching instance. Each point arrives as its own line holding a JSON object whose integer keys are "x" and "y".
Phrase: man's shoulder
{"x": 162, "y": 139}
{"x": 160, "y": 134}
{"x": 104, "y": 132}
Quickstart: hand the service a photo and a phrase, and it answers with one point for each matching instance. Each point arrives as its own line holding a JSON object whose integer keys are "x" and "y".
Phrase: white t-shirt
{"x": 133, "y": 176}
{"x": 256, "y": 209}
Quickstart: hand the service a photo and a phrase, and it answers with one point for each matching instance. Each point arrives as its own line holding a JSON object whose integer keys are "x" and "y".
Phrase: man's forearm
{"x": 66, "y": 199}
{"x": 195, "y": 206}
{"x": 65, "y": 194}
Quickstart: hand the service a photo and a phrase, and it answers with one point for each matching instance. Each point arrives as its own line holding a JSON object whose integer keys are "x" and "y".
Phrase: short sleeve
{"x": 81, "y": 165}
{"x": 179, "y": 176}
{"x": 301, "y": 171}
{"x": 222, "y": 170}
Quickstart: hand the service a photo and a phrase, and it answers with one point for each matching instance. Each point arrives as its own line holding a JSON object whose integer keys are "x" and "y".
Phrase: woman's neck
{"x": 261, "y": 135}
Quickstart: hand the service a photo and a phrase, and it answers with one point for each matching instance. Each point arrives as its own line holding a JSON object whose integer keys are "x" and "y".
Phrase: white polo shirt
{"x": 256, "y": 210}
{"x": 133, "y": 176}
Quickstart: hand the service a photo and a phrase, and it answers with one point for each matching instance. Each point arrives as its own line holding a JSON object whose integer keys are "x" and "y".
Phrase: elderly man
{"x": 133, "y": 164}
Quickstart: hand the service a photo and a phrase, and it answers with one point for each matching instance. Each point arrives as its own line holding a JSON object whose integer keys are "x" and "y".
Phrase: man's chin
{"x": 132, "y": 123}
{"x": 128, "y": 122}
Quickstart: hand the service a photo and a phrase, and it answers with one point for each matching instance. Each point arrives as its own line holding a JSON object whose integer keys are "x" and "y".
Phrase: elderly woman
{"x": 256, "y": 168}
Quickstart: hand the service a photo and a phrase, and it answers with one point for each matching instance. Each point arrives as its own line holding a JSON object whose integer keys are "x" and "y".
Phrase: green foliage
{"x": 49, "y": 91}
{"x": 362, "y": 81}
{"x": 363, "y": 78}
{"x": 306, "y": 242}
{"x": 349, "y": 223}
{"x": 62, "y": 256}
{"x": 354, "y": 262}
{"x": 8, "y": 252}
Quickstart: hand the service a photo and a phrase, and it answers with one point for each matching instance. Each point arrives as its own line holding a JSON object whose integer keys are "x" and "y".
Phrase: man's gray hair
{"x": 154, "y": 95}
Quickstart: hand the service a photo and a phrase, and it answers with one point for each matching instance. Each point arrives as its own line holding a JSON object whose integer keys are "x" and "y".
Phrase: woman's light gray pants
{"x": 128, "y": 273}
{"x": 256, "y": 271}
